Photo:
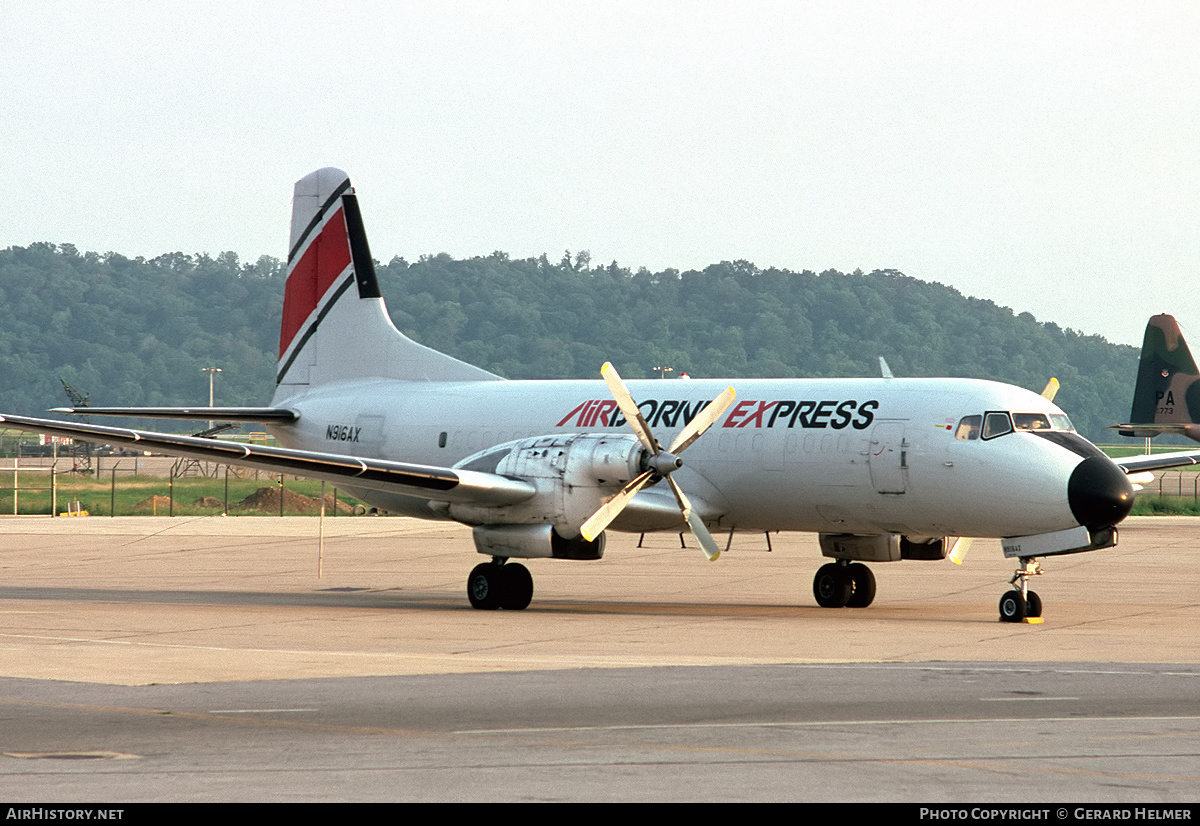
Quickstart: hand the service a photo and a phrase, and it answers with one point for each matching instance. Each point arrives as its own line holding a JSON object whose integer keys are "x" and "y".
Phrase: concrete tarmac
{"x": 137, "y": 600}
{"x": 279, "y": 649}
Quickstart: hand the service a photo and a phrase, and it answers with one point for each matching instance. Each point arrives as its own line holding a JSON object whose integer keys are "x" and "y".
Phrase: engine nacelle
{"x": 573, "y": 474}
{"x": 889, "y": 547}
{"x": 926, "y": 547}
{"x": 533, "y": 542}
{"x": 880, "y": 548}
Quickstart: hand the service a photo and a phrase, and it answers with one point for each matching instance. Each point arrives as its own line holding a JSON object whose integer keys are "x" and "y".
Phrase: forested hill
{"x": 138, "y": 332}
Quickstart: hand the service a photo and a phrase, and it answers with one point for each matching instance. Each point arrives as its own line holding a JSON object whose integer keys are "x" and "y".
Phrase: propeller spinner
{"x": 657, "y": 463}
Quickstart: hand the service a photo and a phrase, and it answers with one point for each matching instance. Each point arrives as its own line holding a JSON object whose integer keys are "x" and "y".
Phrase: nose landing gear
{"x": 1021, "y": 604}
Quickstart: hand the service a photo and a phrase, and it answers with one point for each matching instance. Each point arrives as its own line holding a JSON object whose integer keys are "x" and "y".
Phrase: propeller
{"x": 656, "y": 462}
{"x": 959, "y": 552}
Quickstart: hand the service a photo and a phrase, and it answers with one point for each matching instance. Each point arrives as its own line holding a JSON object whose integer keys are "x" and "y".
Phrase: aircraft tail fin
{"x": 1166, "y": 398}
{"x": 335, "y": 324}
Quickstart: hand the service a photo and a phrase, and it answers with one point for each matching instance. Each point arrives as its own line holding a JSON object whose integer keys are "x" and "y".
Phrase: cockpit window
{"x": 996, "y": 424}
{"x": 1060, "y": 421}
{"x": 1041, "y": 421}
{"x": 968, "y": 428}
{"x": 1031, "y": 421}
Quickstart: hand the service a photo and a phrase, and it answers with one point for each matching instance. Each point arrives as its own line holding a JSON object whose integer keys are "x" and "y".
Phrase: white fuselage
{"x": 825, "y": 455}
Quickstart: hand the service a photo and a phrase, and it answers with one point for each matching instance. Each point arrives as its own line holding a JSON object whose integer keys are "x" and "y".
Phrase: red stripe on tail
{"x": 324, "y": 260}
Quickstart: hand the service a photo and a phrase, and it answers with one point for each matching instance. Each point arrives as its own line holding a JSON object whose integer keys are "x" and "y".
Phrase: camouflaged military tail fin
{"x": 1166, "y": 398}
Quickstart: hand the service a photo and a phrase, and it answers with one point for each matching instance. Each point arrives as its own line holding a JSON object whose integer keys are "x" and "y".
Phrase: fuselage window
{"x": 996, "y": 424}
{"x": 968, "y": 428}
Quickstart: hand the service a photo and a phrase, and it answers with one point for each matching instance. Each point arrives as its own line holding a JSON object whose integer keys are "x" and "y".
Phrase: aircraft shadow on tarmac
{"x": 365, "y": 598}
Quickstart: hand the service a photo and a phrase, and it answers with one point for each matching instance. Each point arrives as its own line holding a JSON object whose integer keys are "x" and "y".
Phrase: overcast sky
{"x": 1045, "y": 155}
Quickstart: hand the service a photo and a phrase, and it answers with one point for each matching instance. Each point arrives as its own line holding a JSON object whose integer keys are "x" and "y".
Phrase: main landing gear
{"x": 500, "y": 584}
{"x": 1021, "y": 603}
{"x": 844, "y": 584}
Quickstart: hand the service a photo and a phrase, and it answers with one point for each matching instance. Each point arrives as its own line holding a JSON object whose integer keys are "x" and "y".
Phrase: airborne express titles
{"x": 829, "y": 413}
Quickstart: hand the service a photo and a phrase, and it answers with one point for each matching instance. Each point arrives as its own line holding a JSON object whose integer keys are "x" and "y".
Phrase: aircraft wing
{"x": 224, "y": 414}
{"x": 424, "y": 481}
{"x": 1158, "y": 461}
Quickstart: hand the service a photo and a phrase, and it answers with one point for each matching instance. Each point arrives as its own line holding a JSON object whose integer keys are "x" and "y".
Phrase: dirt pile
{"x": 266, "y": 500}
{"x": 155, "y": 504}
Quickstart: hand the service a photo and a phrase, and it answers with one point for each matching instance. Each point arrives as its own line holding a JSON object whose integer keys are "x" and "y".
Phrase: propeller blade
{"x": 959, "y": 552}
{"x": 707, "y": 543}
{"x": 601, "y": 519}
{"x": 659, "y": 463}
{"x": 702, "y": 421}
{"x": 629, "y": 407}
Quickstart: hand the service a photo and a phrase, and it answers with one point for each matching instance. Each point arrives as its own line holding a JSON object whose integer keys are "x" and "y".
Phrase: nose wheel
{"x": 1022, "y": 604}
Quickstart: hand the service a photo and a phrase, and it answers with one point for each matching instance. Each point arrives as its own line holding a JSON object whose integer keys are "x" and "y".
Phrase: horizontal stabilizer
{"x": 1149, "y": 431}
{"x": 225, "y": 414}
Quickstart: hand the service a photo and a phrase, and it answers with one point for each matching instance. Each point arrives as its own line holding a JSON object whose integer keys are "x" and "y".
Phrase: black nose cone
{"x": 1099, "y": 494}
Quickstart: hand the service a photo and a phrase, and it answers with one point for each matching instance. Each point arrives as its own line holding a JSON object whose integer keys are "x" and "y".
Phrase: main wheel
{"x": 1012, "y": 607}
{"x": 516, "y": 586}
{"x": 485, "y": 586}
{"x": 862, "y": 585}
{"x": 832, "y": 586}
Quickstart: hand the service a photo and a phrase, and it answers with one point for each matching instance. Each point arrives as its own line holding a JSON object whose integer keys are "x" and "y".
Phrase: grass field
{"x": 189, "y": 496}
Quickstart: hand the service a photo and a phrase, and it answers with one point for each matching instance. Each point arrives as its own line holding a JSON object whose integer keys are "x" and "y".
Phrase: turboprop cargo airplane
{"x": 883, "y": 469}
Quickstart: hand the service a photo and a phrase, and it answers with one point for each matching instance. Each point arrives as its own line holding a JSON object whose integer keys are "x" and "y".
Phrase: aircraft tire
{"x": 832, "y": 586}
{"x": 485, "y": 586}
{"x": 516, "y": 590}
{"x": 1012, "y": 607}
{"x": 862, "y": 585}
{"x": 1033, "y": 605}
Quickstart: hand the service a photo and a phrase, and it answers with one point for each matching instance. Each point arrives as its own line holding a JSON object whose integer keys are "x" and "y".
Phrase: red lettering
{"x": 602, "y": 412}
{"x": 763, "y": 407}
{"x": 567, "y": 417}
{"x": 738, "y": 411}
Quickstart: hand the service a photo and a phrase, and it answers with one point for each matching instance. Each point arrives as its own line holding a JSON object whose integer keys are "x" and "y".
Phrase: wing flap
{"x": 423, "y": 481}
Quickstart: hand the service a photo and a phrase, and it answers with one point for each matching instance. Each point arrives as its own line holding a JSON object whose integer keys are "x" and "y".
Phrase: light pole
{"x": 210, "y": 371}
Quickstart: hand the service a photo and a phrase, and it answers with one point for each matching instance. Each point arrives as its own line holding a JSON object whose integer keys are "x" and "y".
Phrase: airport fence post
{"x": 225, "y": 512}
{"x": 171, "y": 492}
{"x": 112, "y": 492}
{"x": 281, "y": 494}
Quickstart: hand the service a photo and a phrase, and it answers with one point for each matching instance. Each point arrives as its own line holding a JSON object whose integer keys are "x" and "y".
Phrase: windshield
{"x": 1041, "y": 421}
{"x": 998, "y": 423}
